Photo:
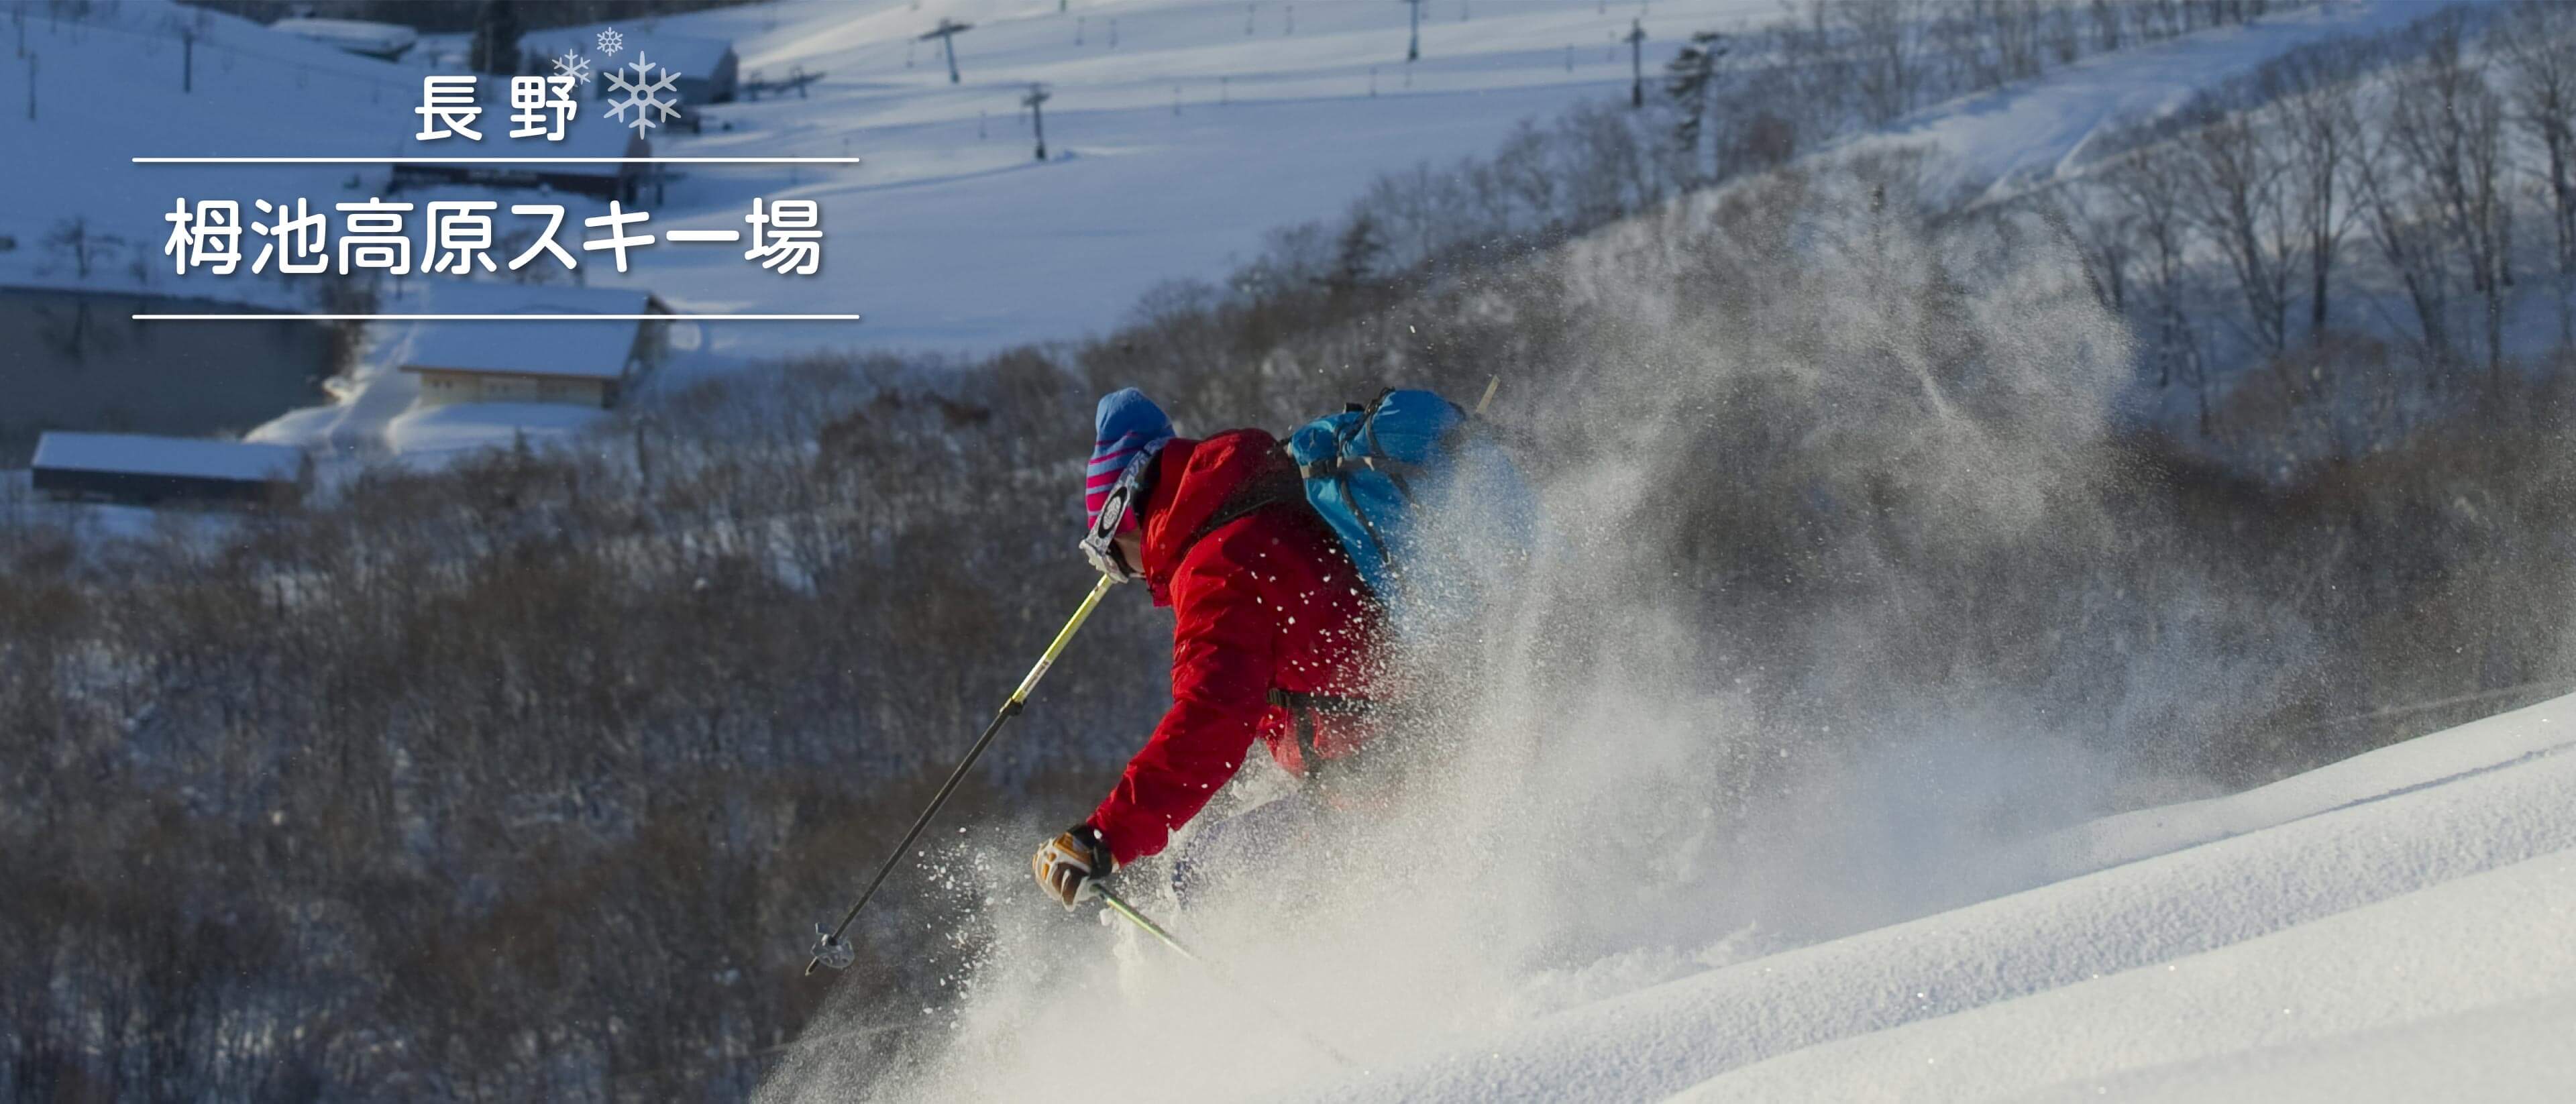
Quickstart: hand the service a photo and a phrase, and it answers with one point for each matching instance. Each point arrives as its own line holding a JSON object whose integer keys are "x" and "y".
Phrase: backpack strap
{"x": 1277, "y": 484}
{"x": 1304, "y": 708}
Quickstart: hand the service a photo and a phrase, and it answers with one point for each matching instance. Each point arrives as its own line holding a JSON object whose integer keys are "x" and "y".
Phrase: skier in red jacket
{"x": 1273, "y": 633}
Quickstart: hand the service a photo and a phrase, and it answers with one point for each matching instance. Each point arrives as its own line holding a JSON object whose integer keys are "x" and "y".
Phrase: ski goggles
{"x": 1100, "y": 544}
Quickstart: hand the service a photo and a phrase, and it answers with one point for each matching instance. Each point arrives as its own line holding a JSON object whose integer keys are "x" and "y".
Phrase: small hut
{"x": 144, "y": 470}
{"x": 574, "y": 362}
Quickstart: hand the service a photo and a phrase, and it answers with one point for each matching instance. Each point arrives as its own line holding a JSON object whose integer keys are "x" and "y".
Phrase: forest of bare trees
{"x": 2411, "y": 191}
{"x": 525, "y": 778}
{"x": 1726, "y": 106}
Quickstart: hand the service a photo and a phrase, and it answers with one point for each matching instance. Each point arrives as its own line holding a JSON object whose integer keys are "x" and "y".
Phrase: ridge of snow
{"x": 2281, "y": 859}
{"x": 2284, "y": 1016}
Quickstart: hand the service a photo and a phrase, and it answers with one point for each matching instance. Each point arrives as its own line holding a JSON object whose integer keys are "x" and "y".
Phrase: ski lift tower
{"x": 1637, "y": 62}
{"x": 947, "y": 33}
{"x": 1035, "y": 101}
{"x": 1413, "y": 49}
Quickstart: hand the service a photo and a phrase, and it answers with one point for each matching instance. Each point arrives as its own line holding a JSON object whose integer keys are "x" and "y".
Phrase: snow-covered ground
{"x": 2024, "y": 134}
{"x": 949, "y": 233}
{"x": 2395, "y": 927}
{"x": 2392, "y": 927}
{"x": 1182, "y": 131}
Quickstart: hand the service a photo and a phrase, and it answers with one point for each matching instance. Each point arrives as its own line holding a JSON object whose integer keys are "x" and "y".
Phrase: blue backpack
{"x": 1385, "y": 473}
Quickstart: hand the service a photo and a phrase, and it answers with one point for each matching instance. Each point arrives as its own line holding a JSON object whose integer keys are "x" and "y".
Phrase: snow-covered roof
{"x": 687, "y": 55}
{"x": 450, "y": 296}
{"x": 136, "y": 454}
{"x": 576, "y": 350}
{"x": 352, "y": 34}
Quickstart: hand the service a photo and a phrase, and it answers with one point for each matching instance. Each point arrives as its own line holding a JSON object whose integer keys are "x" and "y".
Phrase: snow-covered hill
{"x": 1182, "y": 131}
{"x": 2391, "y": 927}
{"x": 2025, "y": 134}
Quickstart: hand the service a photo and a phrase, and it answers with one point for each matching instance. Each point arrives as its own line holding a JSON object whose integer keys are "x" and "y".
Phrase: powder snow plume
{"x": 1642, "y": 755}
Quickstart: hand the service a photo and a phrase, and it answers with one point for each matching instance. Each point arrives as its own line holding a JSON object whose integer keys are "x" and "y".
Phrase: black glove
{"x": 1068, "y": 865}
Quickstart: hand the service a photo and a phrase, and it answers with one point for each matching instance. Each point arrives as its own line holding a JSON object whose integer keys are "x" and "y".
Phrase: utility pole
{"x": 1413, "y": 49}
{"x": 188, "y": 60}
{"x": 1035, "y": 101}
{"x": 31, "y": 87}
{"x": 1637, "y": 62}
{"x": 947, "y": 33}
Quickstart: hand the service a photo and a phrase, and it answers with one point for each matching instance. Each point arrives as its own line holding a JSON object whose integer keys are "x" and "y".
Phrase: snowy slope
{"x": 952, "y": 235}
{"x": 2386, "y": 1001}
{"x": 2013, "y": 137}
{"x": 2401, "y": 903}
{"x": 109, "y": 88}
{"x": 949, "y": 234}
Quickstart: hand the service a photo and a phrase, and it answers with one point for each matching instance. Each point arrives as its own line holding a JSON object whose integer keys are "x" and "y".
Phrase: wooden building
{"x": 382, "y": 41}
{"x": 551, "y": 361}
{"x": 144, "y": 470}
{"x": 586, "y": 137}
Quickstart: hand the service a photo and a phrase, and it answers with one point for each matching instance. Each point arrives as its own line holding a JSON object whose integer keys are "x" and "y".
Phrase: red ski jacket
{"x": 1265, "y": 601}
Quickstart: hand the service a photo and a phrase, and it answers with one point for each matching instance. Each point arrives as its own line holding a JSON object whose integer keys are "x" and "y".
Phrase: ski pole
{"x": 831, "y": 949}
{"x": 1120, "y": 906}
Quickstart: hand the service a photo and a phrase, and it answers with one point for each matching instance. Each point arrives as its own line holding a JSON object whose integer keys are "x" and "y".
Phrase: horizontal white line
{"x": 497, "y": 317}
{"x": 496, "y": 160}
{"x": 702, "y": 235}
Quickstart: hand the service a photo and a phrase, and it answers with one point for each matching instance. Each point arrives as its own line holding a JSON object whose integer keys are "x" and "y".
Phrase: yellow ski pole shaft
{"x": 1009, "y": 709}
{"x": 1120, "y": 906}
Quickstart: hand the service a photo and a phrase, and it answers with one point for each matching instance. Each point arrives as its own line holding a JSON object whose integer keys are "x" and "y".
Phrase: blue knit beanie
{"x": 1129, "y": 428}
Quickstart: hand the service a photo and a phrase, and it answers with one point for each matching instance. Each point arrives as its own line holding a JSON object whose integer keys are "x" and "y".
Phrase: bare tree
{"x": 86, "y": 248}
{"x": 2318, "y": 113}
{"x": 2445, "y": 125}
{"x": 2538, "y": 47}
{"x": 1887, "y": 43}
{"x": 2100, "y": 226}
{"x": 2240, "y": 200}
{"x": 2155, "y": 185}
{"x": 2106, "y": 24}
{"x": 2407, "y": 241}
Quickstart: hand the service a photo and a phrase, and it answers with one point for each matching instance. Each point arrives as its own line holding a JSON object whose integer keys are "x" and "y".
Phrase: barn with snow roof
{"x": 145, "y": 470}
{"x": 576, "y": 362}
{"x": 604, "y": 177}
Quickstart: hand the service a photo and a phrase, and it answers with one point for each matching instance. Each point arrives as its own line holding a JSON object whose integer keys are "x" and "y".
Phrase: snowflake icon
{"x": 644, "y": 94}
{"x": 610, "y": 42}
{"x": 573, "y": 65}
